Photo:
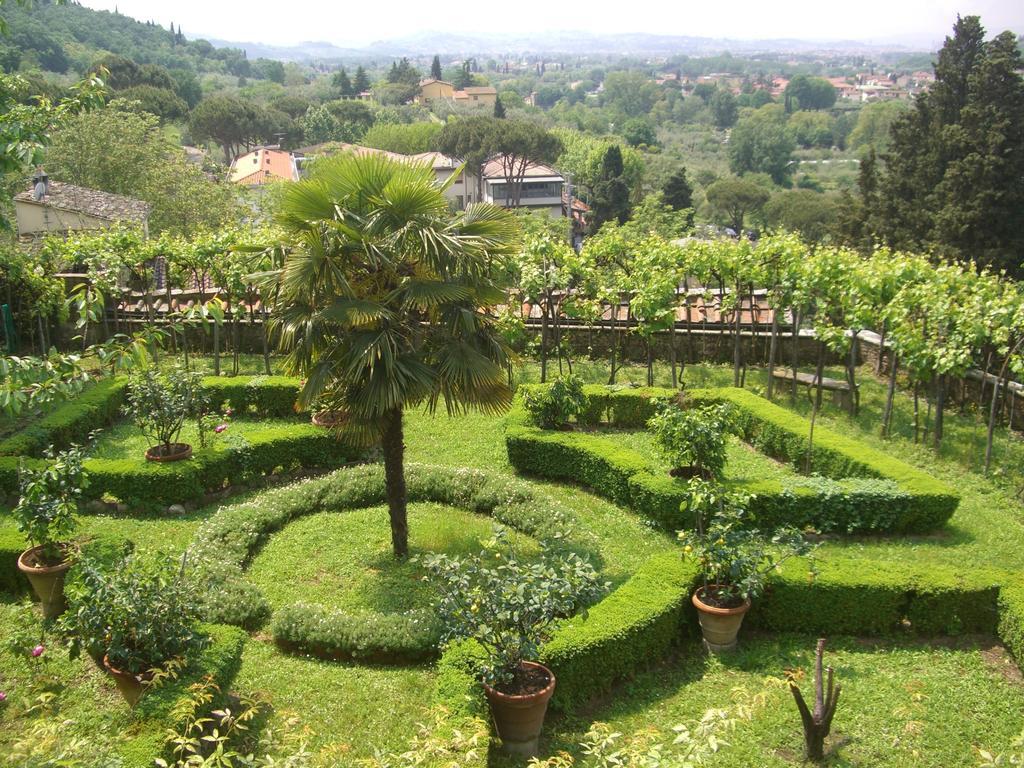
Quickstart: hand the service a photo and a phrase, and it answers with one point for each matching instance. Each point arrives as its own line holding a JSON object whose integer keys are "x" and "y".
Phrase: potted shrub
{"x": 734, "y": 560}
{"x": 552, "y": 407}
{"x": 45, "y": 514}
{"x": 693, "y": 440}
{"x": 158, "y": 404}
{"x": 135, "y": 618}
{"x": 508, "y": 604}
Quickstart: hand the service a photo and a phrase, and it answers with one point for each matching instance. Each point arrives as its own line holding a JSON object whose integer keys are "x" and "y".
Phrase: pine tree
{"x": 678, "y": 193}
{"x": 342, "y": 84}
{"x": 499, "y": 108}
{"x": 361, "y": 82}
{"x": 952, "y": 178}
{"x": 610, "y": 200}
{"x": 435, "y": 68}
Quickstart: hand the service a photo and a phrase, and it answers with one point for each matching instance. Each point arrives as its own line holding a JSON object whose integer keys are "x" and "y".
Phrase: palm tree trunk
{"x": 393, "y": 443}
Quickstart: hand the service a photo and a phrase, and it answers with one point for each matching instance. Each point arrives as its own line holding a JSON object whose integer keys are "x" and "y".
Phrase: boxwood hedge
{"x": 225, "y": 543}
{"x": 146, "y": 484}
{"x": 858, "y": 488}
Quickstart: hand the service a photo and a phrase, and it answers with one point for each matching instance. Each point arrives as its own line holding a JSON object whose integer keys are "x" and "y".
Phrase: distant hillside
{"x": 565, "y": 42}
{"x": 71, "y": 38}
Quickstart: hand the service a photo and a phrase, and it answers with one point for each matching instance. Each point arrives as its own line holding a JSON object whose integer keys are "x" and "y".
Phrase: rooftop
{"x": 91, "y": 202}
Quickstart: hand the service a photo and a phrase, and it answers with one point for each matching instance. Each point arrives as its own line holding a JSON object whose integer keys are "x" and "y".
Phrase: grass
{"x": 902, "y": 703}
{"x": 353, "y": 567}
{"x": 126, "y": 441}
{"x": 83, "y": 698}
{"x": 743, "y": 463}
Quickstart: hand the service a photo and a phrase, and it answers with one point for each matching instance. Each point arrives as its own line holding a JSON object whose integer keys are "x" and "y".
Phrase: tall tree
{"x": 610, "y": 200}
{"x": 761, "y": 142}
{"x": 733, "y": 199}
{"x": 435, "y": 68}
{"x": 499, "y": 108}
{"x": 678, "y": 191}
{"x": 952, "y": 177}
{"x": 342, "y": 84}
{"x": 361, "y": 82}
{"x": 384, "y": 302}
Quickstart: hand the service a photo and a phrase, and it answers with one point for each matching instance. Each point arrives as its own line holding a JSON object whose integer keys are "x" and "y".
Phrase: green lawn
{"x": 126, "y": 441}
{"x": 902, "y": 703}
{"x": 343, "y": 559}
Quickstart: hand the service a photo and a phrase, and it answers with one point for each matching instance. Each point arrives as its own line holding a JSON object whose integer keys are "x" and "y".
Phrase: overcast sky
{"x": 357, "y": 22}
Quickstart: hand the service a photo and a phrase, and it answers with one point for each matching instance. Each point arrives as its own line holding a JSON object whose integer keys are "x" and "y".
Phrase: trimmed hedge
{"x": 396, "y": 638}
{"x": 1011, "y": 618}
{"x": 155, "y": 713}
{"x": 148, "y": 484}
{"x": 225, "y": 543}
{"x": 850, "y": 599}
{"x": 266, "y": 396}
{"x": 141, "y": 483}
{"x": 460, "y": 695}
{"x": 635, "y": 625}
{"x": 96, "y": 407}
{"x": 863, "y": 489}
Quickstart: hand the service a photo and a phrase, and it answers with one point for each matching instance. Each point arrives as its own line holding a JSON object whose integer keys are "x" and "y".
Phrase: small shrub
{"x": 552, "y": 407}
{"x": 48, "y": 502}
{"x": 694, "y": 438}
{"x": 734, "y": 561}
{"x": 159, "y": 403}
{"x": 140, "y": 613}
{"x": 508, "y": 604}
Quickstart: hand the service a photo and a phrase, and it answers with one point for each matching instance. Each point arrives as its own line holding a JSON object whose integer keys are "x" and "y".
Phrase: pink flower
{"x": 220, "y": 428}
{"x": 37, "y": 651}
{"x": 229, "y": 412}
{"x": 3, "y": 697}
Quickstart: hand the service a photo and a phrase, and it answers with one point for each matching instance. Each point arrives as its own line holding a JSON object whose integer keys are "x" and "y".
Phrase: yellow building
{"x": 432, "y": 90}
{"x": 484, "y": 95}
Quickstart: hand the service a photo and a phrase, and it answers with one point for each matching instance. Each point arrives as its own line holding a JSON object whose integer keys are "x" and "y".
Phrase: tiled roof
{"x": 258, "y": 166}
{"x": 436, "y": 160}
{"x": 91, "y": 202}
{"x": 493, "y": 170}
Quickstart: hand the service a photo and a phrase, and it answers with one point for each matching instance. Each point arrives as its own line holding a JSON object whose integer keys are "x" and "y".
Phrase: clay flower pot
{"x": 47, "y": 581}
{"x": 329, "y": 419}
{"x": 177, "y": 452}
{"x": 518, "y": 718}
{"x": 131, "y": 686}
{"x": 719, "y": 625}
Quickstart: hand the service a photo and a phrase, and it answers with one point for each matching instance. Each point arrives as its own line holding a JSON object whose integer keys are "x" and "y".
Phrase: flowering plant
{"x": 48, "y": 502}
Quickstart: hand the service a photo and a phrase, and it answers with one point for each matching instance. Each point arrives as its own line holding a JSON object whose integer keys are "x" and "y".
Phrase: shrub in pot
{"x": 693, "y": 440}
{"x": 159, "y": 404}
{"x": 135, "y": 618}
{"x": 45, "y": 515}
{"x": 734, "y": 559}
{"x": 508, "y": 604}
{"x": 552, "y": 407}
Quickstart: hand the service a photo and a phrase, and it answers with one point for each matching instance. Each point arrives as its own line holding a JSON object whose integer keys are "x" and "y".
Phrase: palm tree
{"x": 385, "y": 302}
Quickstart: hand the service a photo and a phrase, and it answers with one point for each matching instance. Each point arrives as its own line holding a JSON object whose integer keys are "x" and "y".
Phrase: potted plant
{"x": 45, "y": 514}
{"x": 693, "y": 440}
{"x": 508, "y": 604}
{"x": 734, "y": 560}
{"x": 135, "y": 618}
{"x": 158, "y": 404}
{"x": 552, "y": 407}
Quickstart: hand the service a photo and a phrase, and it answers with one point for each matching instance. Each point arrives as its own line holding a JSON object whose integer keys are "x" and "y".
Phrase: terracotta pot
{"x": 131, "y": 686}
{"x": 47, "y": 581}
{"x": 518, "y": 719}
{"x": 179, "y": 452}
{"x": 329, "y": 419}
{"x": 719, "y": 625}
